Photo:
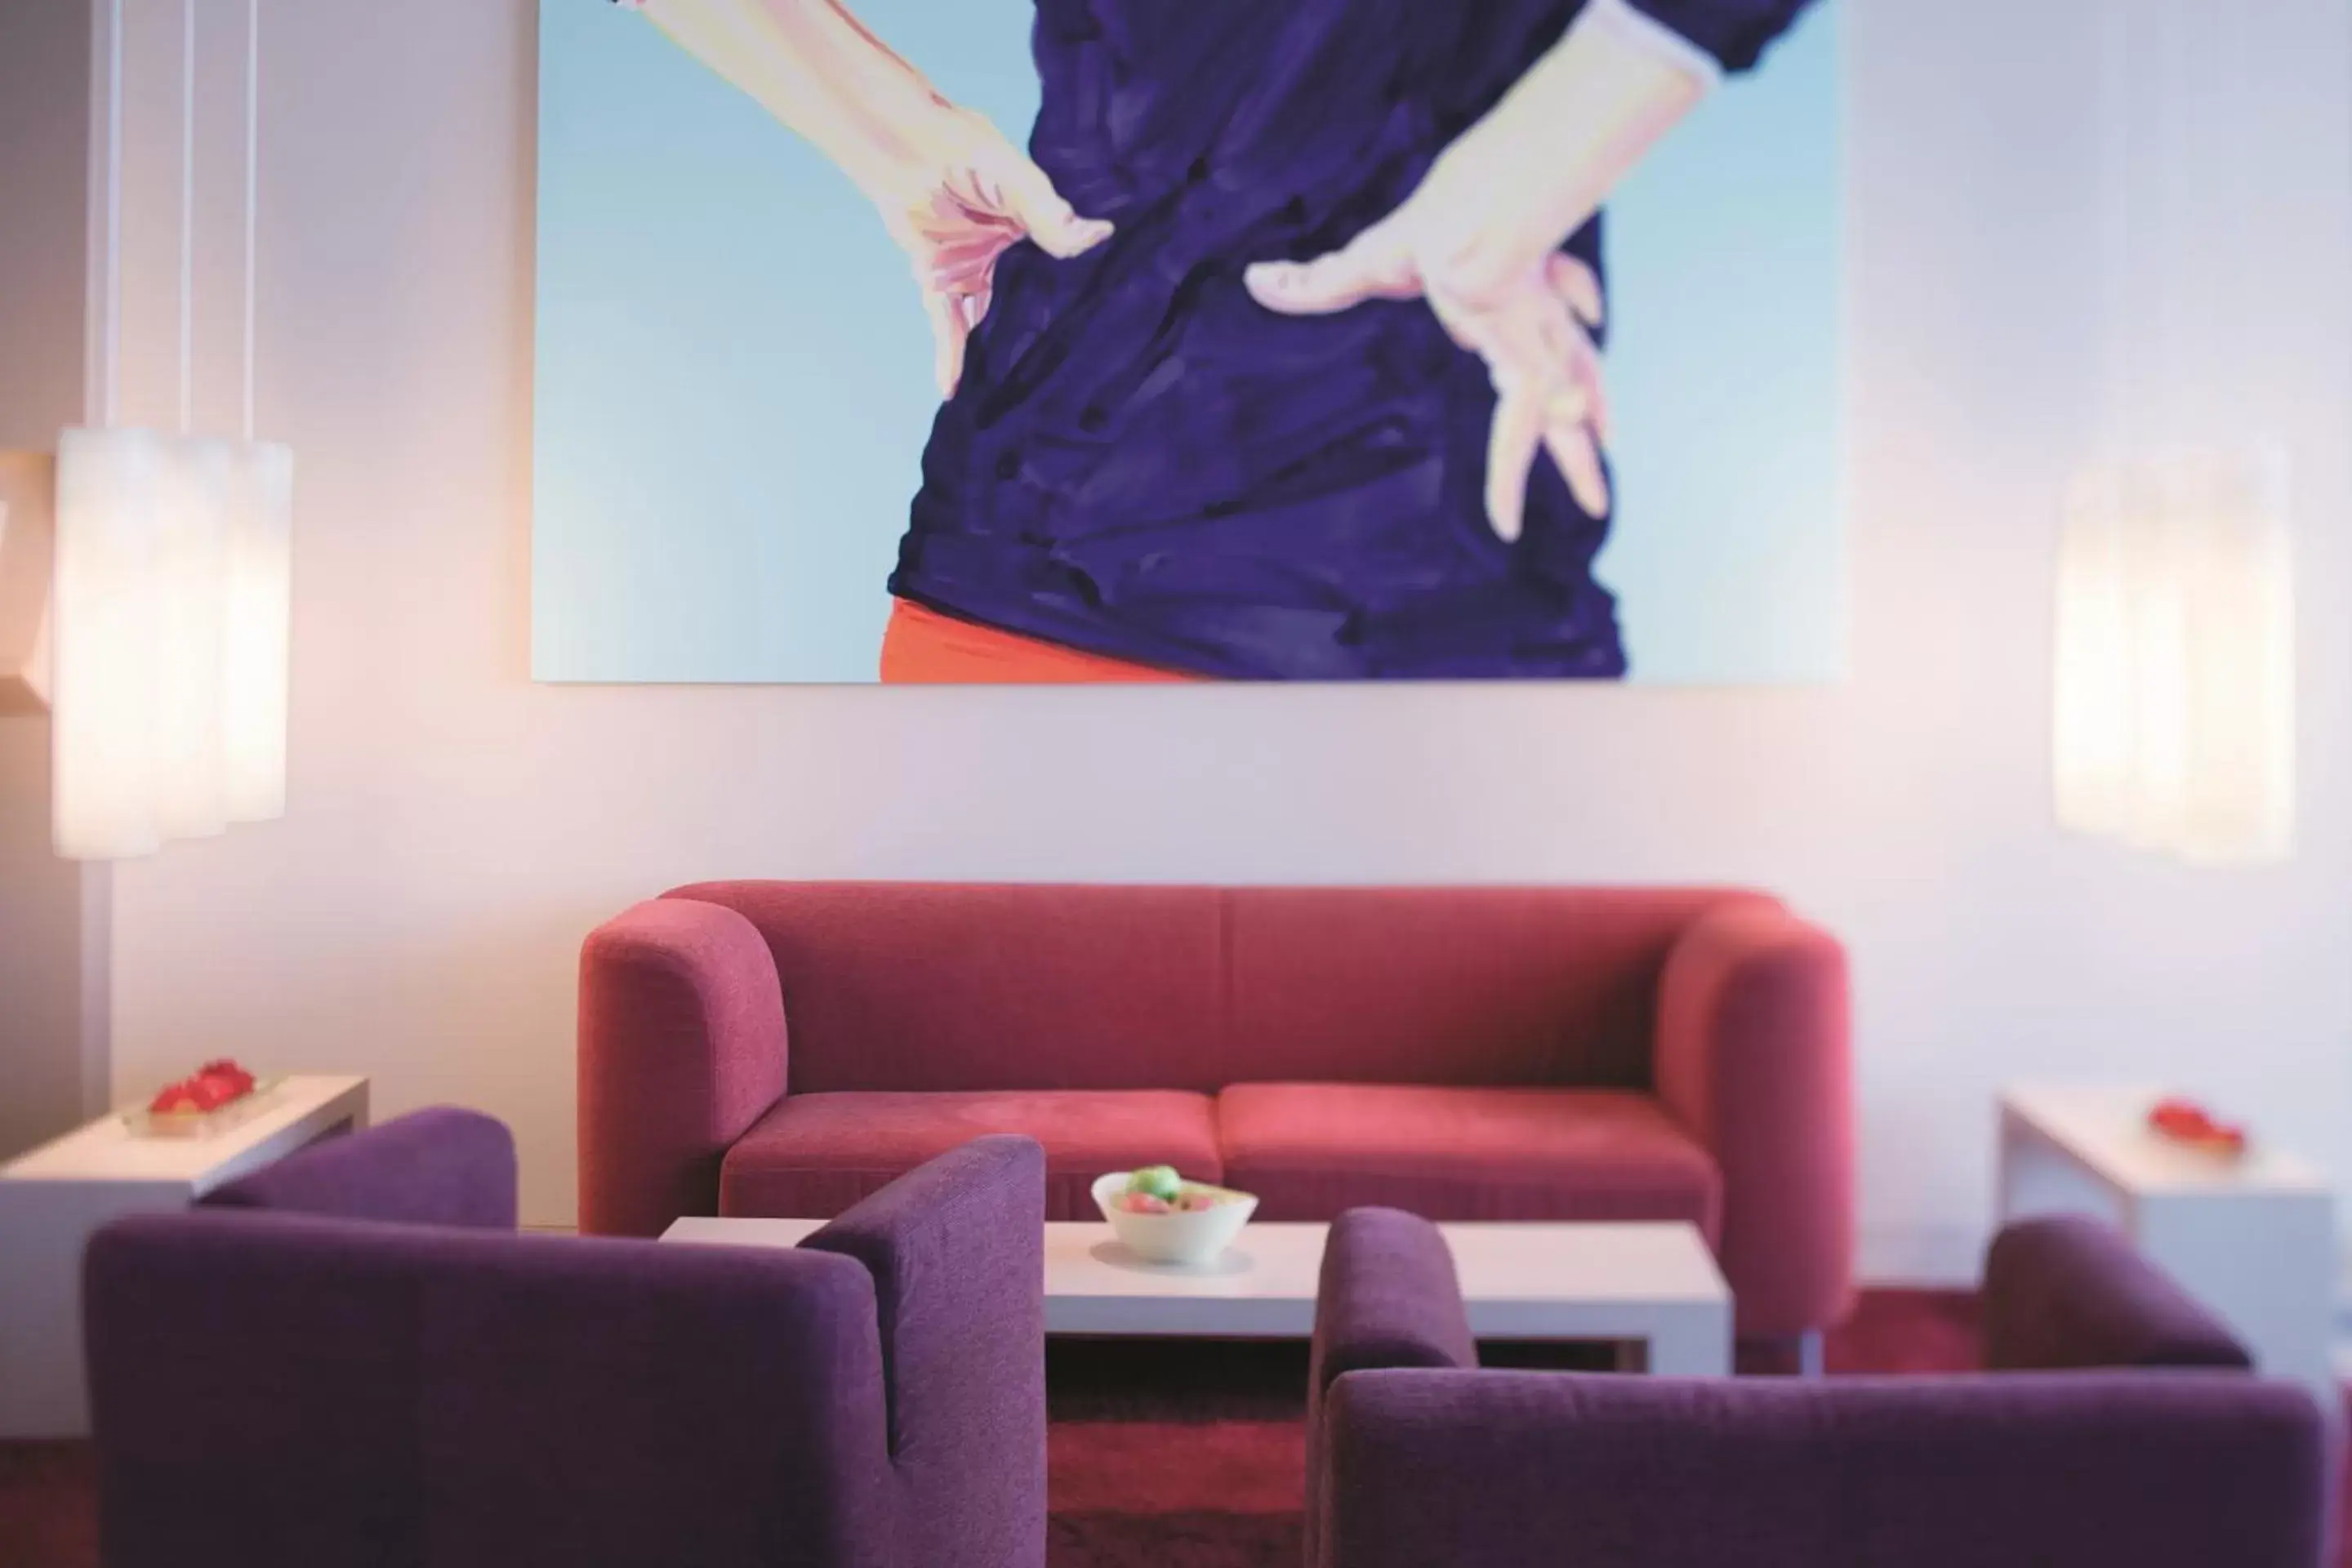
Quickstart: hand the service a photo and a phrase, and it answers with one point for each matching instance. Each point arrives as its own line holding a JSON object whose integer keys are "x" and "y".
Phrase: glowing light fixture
{"x": 173, "y": 582}
{"x": 2176, "y": 681}
{"x": 2174, "y": 727}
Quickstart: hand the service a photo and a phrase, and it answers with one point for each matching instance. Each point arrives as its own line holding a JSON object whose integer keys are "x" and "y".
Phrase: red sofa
{"x": 785, "y": 1048}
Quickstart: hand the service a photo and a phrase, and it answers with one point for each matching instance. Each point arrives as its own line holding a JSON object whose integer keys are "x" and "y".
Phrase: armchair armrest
{"x": 1752, "y": 1056}
{"x": 682, "y": 1048}
{"x": 1388, "y": 1298}
{"x": 956, "y": 1248}
{"x": 2071, "y": 1293}
{"x": 439, "y": 1166}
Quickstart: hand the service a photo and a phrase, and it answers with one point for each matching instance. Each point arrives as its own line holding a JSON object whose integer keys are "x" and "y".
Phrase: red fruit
{"x": 2180, "y": 1119}
{"x": 178, "y": 1098}
{"x": 2223, "y": 1139}
{"x": 231, "y": 1080}
{"x": 1143, "y": 1203}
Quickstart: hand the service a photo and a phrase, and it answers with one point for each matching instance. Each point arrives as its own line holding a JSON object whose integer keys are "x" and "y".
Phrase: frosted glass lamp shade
{"x": 189, "y": 561}
{"x": 172, "y": 599}
{"x": 2175, "y": 657}
{"x": 105, "y": 644}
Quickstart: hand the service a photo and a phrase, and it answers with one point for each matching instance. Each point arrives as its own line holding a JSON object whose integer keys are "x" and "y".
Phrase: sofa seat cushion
{"x": 814, "y": 1154}
{"x": 1310, "y": 1151}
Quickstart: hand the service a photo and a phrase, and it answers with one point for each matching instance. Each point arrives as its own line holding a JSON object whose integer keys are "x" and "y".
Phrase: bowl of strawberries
{"x": 215, "y": 1095}
{"x": 1163, "y": 1218}
{"x": 2185, "y": 1123}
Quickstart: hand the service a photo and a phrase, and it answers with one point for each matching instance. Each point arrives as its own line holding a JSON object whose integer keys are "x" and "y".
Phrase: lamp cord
{"x": 252, "y": 197}
{"x": 106, "y": 370}
{"x": 187, "y": 215}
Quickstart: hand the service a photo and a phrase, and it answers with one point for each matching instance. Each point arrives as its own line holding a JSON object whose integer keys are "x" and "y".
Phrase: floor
{"x": 1170, "y": 1457}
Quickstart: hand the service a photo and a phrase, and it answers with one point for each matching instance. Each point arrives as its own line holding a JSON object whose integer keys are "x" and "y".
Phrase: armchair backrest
{"x": 1497, "y": 1470}
{"x": 441, "y": 1165}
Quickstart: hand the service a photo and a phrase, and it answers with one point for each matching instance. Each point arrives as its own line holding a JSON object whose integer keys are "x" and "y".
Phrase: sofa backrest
{"x": 905, "y": 985}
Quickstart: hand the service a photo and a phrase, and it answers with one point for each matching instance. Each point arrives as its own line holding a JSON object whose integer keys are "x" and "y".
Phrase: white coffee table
{"x": 2254, "y": 1239}
{"x": 1653, "y": 1289}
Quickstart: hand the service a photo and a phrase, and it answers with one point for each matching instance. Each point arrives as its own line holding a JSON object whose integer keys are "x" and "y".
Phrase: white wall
{"x": 52, "y": 1026}
{"x": 455, "y": 829}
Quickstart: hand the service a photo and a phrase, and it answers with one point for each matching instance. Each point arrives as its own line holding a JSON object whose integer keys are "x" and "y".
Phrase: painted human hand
{"x": 967, "y": 196}
{"x": 953, "y": 192}
{"x": 1529, "y": 317}
{"x": 1479, "y": 238}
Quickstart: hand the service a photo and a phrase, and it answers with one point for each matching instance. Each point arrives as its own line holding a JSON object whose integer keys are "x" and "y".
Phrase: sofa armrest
{"x": 2068, "y": 1293}
{"x": 438, "y": 1166}
{"x": 681, "y": 1049}
{"x": 1752, "y": 1056}
{"x": 956, "y": 1248}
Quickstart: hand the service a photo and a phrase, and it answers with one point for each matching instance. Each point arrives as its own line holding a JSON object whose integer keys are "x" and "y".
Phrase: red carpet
{"x": 1162, "y": 1456}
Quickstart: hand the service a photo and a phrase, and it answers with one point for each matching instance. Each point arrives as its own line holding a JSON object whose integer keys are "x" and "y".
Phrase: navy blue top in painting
{"x": 1144, "y": 462}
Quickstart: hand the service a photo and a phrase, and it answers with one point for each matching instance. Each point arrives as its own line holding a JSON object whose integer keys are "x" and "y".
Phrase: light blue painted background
{"x": 734, "y": 375}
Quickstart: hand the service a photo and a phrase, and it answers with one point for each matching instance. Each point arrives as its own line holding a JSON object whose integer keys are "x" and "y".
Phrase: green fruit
{"x": 1160, "y": 1181}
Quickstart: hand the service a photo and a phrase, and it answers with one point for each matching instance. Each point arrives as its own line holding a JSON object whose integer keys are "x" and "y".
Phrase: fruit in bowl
{"x": 215, "y": 1085}
{"x": 2189, "y": 1124}
{"x": 1163, "y": 1218}
{"x": 189, "y": 1105}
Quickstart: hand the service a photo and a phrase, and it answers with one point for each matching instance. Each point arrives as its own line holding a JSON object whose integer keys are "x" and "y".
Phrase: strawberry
{"x": 2182, "y": 1119}
{"x": 2223, "y": 1139}
{"x": 232, "y": 1085}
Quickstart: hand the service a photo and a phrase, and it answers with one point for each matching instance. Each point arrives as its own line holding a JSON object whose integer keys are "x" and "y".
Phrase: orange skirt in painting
{"x": 922, "y": 646}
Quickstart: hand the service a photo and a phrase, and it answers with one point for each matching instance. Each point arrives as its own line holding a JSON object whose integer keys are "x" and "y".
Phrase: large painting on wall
{"x": 1149, "y": 339}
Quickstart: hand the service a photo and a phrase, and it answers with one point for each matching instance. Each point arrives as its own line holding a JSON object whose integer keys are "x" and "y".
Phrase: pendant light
{"x": 2174, "y": 724}
{"x": 173, "y": 586}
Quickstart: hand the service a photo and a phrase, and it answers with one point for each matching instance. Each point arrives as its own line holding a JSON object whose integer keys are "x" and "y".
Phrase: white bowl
{"x": 1191, "y": 1237}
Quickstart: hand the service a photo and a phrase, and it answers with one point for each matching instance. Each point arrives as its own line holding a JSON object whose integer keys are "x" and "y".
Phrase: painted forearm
{"x": 817, "y": 69}
{"x": 1543, "y": 161}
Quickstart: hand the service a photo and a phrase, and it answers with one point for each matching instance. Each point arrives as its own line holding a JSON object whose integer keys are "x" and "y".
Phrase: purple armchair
{"x": 351, "y": 1357}
{"x": 1416, "y": 1457}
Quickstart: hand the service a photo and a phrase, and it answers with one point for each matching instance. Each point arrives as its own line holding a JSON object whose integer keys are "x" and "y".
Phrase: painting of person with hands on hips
{"x": 1277, "y": 353}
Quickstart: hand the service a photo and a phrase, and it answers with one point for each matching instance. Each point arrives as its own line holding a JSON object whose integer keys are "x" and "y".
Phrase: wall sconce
{"x": 2175, "y": 682}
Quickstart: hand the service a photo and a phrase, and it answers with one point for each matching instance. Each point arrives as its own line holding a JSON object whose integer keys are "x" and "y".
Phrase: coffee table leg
{"x": 1691, "y": 1344}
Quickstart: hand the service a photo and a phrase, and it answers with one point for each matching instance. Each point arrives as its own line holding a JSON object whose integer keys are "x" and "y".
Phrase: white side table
{"x": 53, "y": 1198}
{"x": 2254, "y": 1239}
